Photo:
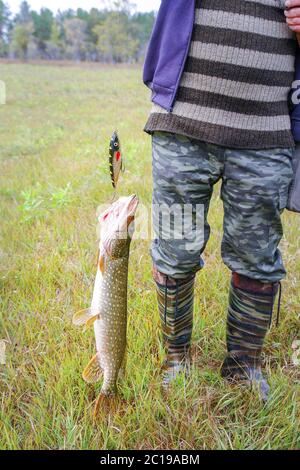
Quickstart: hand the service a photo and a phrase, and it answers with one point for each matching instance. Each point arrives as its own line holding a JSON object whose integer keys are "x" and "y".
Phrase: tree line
{"x": 114, "y": 33}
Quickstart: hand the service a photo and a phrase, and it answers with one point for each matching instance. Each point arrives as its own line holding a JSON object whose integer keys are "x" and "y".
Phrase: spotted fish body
{"x": 108, "y": 312}
{"x": 110, "y": 329}
{"x": 115, "y": 159}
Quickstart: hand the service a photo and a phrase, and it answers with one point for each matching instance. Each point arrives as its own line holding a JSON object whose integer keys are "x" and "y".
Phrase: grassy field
{"x": 54, "y": 131}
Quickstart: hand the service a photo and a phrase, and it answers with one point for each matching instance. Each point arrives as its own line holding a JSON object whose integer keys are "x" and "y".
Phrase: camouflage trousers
{"x": 255, "y": 187}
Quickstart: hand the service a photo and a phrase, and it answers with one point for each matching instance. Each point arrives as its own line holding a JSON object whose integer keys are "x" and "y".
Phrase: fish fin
{"x": 102, "y": 263}
{"x": 80, "y": 318}
{"x": 85, "y": 317}
{"x": 90, "y": 322}
{"x": 106, "y": 403}
{"x": 93, "y": 372}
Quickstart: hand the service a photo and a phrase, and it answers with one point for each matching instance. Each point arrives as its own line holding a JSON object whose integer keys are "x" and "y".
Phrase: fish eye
{"x": 115, "y": 144}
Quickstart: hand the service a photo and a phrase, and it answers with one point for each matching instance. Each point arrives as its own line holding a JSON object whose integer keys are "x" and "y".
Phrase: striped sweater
{"x": 237, "y": 78}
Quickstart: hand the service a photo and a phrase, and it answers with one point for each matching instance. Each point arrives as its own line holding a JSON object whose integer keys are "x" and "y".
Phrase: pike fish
{"x": 116, "y": 164}
{"x": 108, "y": 312}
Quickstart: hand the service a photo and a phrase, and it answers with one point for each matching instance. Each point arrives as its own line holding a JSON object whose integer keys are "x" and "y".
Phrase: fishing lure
{"x": 116, "y": 163}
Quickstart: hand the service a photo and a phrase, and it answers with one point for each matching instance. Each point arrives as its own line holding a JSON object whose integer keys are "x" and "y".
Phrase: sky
{"x": 142, "y": 5}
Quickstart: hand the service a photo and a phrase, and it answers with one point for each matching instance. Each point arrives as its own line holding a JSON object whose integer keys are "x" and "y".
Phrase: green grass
{"x": 54, "y": 133}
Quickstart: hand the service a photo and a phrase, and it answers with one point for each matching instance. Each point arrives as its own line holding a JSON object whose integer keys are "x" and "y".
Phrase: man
{"x": 221, "y": 74}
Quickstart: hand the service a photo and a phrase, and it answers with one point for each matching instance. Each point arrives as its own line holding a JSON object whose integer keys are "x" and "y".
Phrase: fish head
{"x": 117, "y": 227}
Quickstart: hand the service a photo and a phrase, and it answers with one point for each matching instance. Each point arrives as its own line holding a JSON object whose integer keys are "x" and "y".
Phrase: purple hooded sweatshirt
{"x": 168, "y": 50}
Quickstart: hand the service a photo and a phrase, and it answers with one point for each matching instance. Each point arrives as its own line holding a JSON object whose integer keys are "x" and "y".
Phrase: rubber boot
{"x": 249, "y": 319}
{"x": 176, "y": 306}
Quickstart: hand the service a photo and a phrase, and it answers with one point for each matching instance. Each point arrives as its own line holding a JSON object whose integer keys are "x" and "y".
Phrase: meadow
{"x": 54, "y": 134}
